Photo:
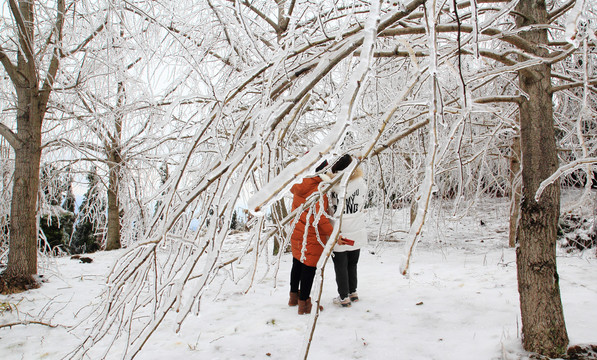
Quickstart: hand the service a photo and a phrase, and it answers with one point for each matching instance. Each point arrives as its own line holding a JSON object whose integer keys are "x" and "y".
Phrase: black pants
{"x": 301, "y": 278}
{"x": 345, "y": 264}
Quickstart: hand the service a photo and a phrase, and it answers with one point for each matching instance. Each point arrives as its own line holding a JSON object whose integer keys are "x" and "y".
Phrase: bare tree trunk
{"x": 114, "y": 164}
{"x": 22, "y": 258}
{"x": 113, "y": 232}
{"x": 32, "y": 95}
{"x": 516, "y": 191}
{"x": 31, "y": 105}
{"x": 543, "y": 326}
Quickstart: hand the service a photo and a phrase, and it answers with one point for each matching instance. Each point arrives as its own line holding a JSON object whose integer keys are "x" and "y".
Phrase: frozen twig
{"x": 29, "y": 322}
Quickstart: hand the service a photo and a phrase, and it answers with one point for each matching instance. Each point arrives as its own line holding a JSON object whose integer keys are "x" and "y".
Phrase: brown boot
{"x": 294, "y": 298}
{"x": 304, "y": 306}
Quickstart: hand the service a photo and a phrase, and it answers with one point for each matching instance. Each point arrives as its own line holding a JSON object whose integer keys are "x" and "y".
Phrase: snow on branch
{"x": 562, "y": 171}
{"x": 326, "y": 63}
{"x": 423, "y": 197}
{"x": 325, "y": 85}
{"x": 572, "y": 23}
{"x": 348, "y": 102}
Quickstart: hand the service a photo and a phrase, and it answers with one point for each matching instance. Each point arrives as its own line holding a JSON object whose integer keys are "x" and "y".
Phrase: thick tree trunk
{"x": 22, "y": 258}
{"x": 114, "y": 164}
{"x": 32, "y": 98}
{"x": 113, "y": 233}
{"x": 543, "y": 326}
{"x": 516, "y": 191}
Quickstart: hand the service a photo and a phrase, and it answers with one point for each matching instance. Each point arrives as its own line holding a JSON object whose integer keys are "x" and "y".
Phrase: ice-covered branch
{"x": 355, "y": 81}
{"x": 425, "y": 189}
{"x": 563, "y": 170}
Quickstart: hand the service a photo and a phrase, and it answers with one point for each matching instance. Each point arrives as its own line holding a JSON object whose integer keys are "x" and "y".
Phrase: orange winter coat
{"x": 309, "y": 255}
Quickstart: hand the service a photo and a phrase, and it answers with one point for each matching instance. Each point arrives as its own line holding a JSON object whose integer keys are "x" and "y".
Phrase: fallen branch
{"x": 28, "y": 323}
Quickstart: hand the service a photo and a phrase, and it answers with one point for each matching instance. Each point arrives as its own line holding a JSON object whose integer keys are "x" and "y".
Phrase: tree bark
{"x": 543, "y": 326}
{"x": 114, "y": 165}
{"x": 22, "y": 258}
{"x": 113, "y": 232}
{"x": 31, "y": 107}
{"x": 516, "y": 191}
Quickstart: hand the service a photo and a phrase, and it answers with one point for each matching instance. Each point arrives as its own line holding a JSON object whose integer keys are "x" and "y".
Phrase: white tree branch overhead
{"x": 184, "y": 117}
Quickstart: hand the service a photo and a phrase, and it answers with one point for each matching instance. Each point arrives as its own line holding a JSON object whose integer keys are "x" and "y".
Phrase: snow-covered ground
{"x": 459, "y": 302}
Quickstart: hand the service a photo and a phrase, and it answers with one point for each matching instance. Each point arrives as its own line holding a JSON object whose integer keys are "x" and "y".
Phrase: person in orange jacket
{"x": 308, "y": 239}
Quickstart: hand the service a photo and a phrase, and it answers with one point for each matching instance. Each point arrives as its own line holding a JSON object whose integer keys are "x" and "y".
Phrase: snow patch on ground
{"x": 460, "y": 301}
